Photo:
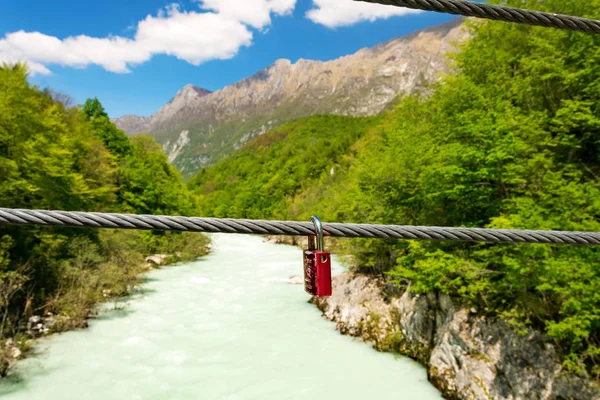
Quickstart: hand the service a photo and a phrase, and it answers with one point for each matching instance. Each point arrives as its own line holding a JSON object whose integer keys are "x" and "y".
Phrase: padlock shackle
{"x": 319, "y": 231}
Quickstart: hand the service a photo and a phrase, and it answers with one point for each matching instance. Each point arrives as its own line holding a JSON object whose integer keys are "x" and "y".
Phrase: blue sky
{"x": 134, "y": 55}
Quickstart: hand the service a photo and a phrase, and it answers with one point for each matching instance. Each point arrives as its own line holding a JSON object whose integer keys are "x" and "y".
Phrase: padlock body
{"x": 317, "y": 273}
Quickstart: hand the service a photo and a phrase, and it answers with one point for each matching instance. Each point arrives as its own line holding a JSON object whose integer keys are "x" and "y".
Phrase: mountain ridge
{"x": 197, "y": 127}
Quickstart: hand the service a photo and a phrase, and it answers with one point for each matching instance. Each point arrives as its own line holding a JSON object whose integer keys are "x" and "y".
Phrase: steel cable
{"x": 498, "y": 13}
{"x": 9, "y": 216}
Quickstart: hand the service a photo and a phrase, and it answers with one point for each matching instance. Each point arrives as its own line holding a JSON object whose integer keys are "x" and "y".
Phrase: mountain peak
{"x": 184, "y": 97}
{"x": 191, "y": 90}
{"x": 282, "y": 62}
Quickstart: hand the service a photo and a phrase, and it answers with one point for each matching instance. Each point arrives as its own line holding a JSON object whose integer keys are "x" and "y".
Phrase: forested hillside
{"x": 55, "y": 156}
{"x": 510, "y": 140}
{"x": 258, "y": 180}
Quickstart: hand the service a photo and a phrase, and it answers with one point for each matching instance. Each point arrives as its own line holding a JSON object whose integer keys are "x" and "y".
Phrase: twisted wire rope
{"x": 498, "y": 13}
{"x": 9, "y": 216}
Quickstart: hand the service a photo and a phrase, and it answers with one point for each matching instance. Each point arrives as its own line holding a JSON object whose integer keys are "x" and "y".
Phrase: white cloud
{"x": 216, "y": 31}
{"x": 335, "y": 13}
{"x": 192, "y": 36}
{"x": 256, "y": 13}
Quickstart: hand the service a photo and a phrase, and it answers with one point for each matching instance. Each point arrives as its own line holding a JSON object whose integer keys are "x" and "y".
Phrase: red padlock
{"x": 317, "y": 264}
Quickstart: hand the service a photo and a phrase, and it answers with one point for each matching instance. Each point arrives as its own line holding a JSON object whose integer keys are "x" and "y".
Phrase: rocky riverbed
{"x": 36, "y": 327}
{"x": 468, "y": 356}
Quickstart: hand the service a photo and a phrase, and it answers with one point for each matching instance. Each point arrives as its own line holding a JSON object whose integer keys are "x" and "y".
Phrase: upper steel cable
{"x": 9, "y": 216}
{"x": 498, "y": 13}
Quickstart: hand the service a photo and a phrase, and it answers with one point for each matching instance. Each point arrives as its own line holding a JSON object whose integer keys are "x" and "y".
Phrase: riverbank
{"x": 72, "y": 308}
{"x": 226, "y": 326}
{"x": 467, "y": 356}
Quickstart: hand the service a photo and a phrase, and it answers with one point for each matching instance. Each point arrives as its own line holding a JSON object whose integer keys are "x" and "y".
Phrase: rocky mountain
{"x": 197, "y": 127}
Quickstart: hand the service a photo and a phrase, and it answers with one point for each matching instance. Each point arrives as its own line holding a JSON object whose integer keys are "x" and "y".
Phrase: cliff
{"x": 468, "y": 356}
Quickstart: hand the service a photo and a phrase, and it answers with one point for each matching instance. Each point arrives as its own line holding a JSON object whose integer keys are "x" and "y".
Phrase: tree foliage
{"x": 148, "y": 184}
{"x": 113, "y": 138}
{"x": 256, "y": 181}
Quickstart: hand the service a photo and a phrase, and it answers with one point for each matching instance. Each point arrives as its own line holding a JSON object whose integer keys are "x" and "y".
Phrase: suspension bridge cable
{"x": 499, "y": 13}
{"x": 9, "y": 216}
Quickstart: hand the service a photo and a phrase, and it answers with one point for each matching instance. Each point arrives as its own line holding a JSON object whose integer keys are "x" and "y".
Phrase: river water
{"x": 226, "y": 327}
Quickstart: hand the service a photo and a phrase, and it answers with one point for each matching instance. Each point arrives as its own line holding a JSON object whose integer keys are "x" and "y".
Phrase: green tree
{"x": 148, "y": 184}
{"x": 114, "y": 139}
{"x": 259, "y": 180}
{"x": 94, "y": 109}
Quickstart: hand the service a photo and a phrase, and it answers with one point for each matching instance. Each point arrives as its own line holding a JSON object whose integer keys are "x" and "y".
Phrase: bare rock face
{"x": 131, "y": 123}
{"x": 9, "y": 354}
{"x": 363, "y": 83}
{"x": 468, "y": 356}
{"x": 157, "y": 259}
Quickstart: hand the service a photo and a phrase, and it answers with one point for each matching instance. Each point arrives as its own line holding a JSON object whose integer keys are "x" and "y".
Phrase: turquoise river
{"x": 226, "y": 327}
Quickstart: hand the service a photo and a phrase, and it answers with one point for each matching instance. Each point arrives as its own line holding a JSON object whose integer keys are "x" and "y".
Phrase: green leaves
{"x": 93, "y": 109}
{"x": 49, "y": 156}
{"x": 260, "y": 179}
{"x": 148, "y": 184}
